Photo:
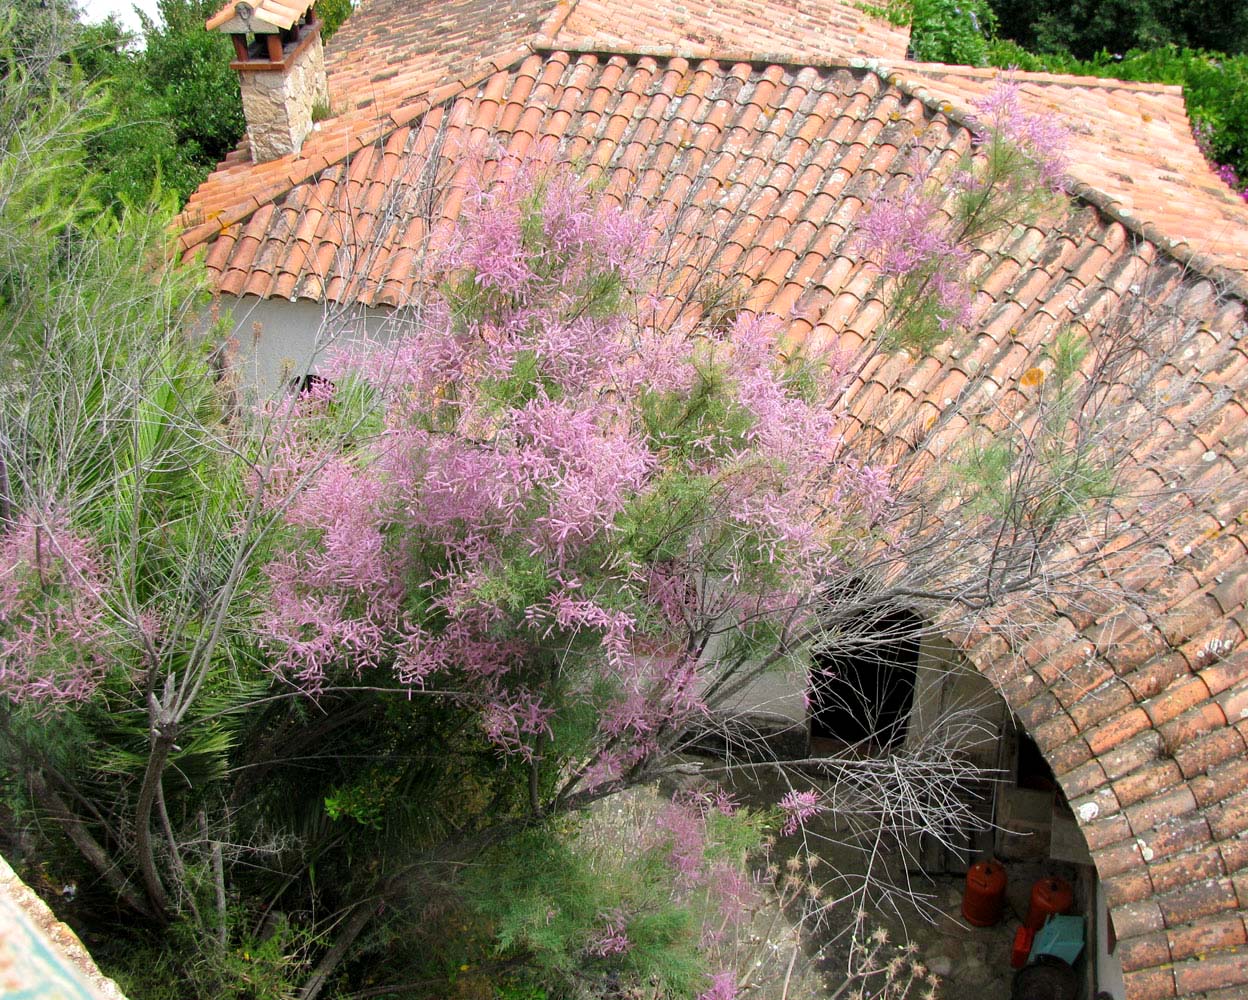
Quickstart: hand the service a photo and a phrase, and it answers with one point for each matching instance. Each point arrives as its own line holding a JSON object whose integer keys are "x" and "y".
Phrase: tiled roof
{"x": 392, "y": 60}
{"x": 1132, "y": 146}
{"x": 392, "y": 52}
{"x": 1137, "y": 691}
{"x": 779, "y": 30}
{"x": 1132, "y": 143}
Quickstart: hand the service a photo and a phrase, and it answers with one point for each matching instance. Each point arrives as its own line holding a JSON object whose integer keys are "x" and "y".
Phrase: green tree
{"x": 316, "y": 733}
{"x": 1087, "y": 27}
{"x": 171, "y": 97}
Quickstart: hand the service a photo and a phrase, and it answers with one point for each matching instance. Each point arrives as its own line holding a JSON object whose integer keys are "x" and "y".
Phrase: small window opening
{"x": 1033, "y": 770}
{"x": 863, "y": 678}
{"x": 312, "y": 384}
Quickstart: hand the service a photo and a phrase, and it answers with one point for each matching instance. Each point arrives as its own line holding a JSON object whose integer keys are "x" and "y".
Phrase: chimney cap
{"x": 260, "y": 17}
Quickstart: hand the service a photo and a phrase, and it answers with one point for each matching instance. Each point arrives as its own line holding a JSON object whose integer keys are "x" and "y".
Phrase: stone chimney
{"x": 281, "y": 69}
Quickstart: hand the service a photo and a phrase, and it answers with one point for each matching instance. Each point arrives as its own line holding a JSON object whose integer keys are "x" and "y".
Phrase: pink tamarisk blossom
{"x": 908, "y": 234}
{"x": 1042, "y": 139}
{"x": 798, "y": 807}
{"x": 612, "y": 939}
{"x": 54, "y": 635}
{"x": 558, "y": 495}
{"x": 723, "y": 987}
{"x": 908, "y": 228}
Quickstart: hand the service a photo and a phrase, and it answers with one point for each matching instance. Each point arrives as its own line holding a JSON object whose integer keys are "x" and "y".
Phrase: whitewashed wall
{"x": 279, "y": 341}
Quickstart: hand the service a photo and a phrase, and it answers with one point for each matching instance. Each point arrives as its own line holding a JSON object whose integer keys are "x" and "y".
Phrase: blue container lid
{"x": 1060, "y": 936}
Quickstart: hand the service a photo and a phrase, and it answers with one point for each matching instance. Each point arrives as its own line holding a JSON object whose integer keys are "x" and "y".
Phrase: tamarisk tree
{"x": 566, "y": 507}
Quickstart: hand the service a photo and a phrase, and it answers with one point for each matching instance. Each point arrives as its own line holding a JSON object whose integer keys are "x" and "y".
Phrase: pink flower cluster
{"x": 723, "y": 987}
{"x": 908, "y": 229}
{"x": 1042, "y": 139}
{"x": 54, "y": 635}
{"x": 1225, "y": 172}
{"x": 798, "y": 807}
{"x": 481, "y": 534}
{"x": 908, "y": 234}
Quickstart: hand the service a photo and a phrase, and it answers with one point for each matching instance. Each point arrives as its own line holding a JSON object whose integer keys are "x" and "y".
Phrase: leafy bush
{"x": 947, "y": 31}
{"x": 951, "y": 31}
{"x": 1086, "y": 27}
{"x": 173, "y": 102}
{"x": 332, "y": 13}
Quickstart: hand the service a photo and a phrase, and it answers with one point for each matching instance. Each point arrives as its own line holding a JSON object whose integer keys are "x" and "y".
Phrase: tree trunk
{"x": 354, "y": 926}
{"x": 87, "y": 845}
{"x": 144, "y": 849}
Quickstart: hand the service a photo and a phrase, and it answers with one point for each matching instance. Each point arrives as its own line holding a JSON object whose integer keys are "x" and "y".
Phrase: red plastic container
{"x": 1049, "y": 896}
{"x": 984, "y": 899}
{"x": 1023, "y": 940}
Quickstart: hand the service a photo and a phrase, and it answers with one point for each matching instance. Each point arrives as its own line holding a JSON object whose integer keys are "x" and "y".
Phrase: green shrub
{"x": 947, "y": 31}
{"x": 332, "y": 13}
{"x": 951, "y": 31}
{"x": 1086, "y": 27}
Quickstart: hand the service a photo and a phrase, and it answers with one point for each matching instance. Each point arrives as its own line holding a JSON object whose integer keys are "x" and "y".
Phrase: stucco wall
{"x": 947, "y": 687}
{"x": 277, "y": 342}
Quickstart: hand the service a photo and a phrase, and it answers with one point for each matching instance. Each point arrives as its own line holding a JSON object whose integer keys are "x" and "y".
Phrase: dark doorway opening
{"x": 863, "y": 679}
{"x": 1034, "y": 771}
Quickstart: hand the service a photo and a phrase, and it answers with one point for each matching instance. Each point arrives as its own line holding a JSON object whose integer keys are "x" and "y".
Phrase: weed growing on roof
{"x": 1036, "y": 477}
{"x": 921, "y": 232}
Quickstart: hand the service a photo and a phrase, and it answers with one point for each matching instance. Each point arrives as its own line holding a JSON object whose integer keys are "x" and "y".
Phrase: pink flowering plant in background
{"x": 920, "y": 231}
{"x": 54, "y": 627}
{"x": 1204, "y": 134}
{"x": 563, "y": 502}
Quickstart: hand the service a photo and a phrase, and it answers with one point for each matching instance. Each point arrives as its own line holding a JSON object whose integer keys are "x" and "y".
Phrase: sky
{"x": 98, "y": 10}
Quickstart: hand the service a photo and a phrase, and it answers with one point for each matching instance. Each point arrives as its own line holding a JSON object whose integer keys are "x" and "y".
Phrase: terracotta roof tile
{"x": 1213, "y": 935}
{"x": 700, "y": 27}
{"x": 1208, "y": 897}
{"x": 1149, "y": 984}
{"x": 1147, "y": 950}
{"x": 1131, "y": 886}
{"x": 1104, "y": 832}
{"x": 1132, "y": 143}
{"x": 1137, "y": 920}
{"x": 1211, "y": 971}
{"x": 269, "y": 12}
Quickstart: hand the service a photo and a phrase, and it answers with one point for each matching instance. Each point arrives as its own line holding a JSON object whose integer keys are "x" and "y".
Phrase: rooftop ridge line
{"x": 545, "y": 42}
{"x": 384, "y": 121}
{"x": 1055, "y": 79}
{"x": 1227, "y": 279}
{"x": 693, "y": 53}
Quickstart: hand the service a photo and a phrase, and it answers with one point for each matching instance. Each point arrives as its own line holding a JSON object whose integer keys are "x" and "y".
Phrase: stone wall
{"x": 278, "y": 104}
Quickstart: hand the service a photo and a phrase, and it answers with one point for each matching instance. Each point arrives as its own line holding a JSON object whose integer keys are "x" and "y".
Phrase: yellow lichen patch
{"x": 1032, "y": 377}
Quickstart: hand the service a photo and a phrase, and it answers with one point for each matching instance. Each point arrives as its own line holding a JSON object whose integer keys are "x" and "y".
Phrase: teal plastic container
{"x": 1060, "y": 936}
